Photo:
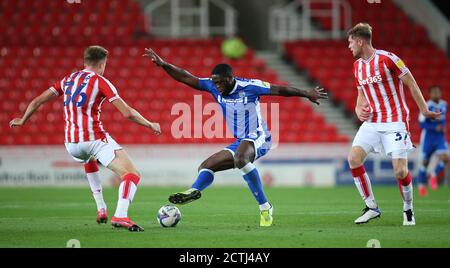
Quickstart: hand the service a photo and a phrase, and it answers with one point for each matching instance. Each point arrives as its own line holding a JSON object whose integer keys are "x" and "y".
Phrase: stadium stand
{"x": 44, "y": 40}
{"x": 330, "y": 62}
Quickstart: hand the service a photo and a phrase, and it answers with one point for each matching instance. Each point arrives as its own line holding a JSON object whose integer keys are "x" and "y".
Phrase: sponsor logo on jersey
{"x": 221, "y": 99}
{"x": 371, "y": 80}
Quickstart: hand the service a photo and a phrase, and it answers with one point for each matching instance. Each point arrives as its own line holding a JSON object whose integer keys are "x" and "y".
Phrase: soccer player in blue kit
{"x": 433, "y": 141}
{"x": 239, "y": 100}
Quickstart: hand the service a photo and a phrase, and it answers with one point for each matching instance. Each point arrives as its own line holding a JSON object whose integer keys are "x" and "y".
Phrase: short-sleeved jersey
{"x": 84, "y": 92}
{"x": 379, "y": 79}
{"x": 431, "y": 140}
{"x": 429, "y": 125}
{"x": 241, "y": 108}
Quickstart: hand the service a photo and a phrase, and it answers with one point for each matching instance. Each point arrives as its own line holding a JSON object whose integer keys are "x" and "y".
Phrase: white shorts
{"x": 392, "y": 138}
{"x": 102, "y": 150}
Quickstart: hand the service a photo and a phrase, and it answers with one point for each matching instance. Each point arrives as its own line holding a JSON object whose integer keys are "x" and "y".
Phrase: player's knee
{"x": 354, "y": 160}
{"x": 130, "y": 171}
{"x": 241, "y": 160}
{"x": 204, "y": 165}
{"x": 425, "y": 162}
{"x": 400, "y": 172}
{"x": 444, "y": 158}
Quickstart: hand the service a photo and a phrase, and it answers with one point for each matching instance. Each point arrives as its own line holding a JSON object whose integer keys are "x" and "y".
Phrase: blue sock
{"x": 439, "y": 167}
{"x": 422, "y": 177}
{"x": 251, "y": 176}
{"x": 204, "y": 179}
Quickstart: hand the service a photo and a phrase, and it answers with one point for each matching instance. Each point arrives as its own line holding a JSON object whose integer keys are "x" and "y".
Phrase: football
{"x": 168, "y": 216}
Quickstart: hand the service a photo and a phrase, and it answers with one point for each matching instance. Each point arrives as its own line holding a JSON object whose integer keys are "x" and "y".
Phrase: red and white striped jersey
{"x": 84, "y": 92}
{"x": 379, "y": 79}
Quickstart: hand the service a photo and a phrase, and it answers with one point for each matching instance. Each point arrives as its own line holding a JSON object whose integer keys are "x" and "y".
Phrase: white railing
{"x": 189, "y": 18}
{"x": 288, "y": 23}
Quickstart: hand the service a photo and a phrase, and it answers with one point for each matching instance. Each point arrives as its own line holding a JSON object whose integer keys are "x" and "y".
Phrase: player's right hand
{"x": 16, "y": 122}
{"x": 156, "y": 128}
{"x": 363, "y": 112}
{"x": 432, "y": 115}
{"x": 154, "y": 57}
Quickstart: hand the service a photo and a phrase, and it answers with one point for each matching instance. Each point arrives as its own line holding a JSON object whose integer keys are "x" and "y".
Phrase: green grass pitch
{"x": 225, "y": 217}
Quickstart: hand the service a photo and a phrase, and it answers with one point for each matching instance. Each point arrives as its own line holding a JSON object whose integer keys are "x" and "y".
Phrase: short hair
{"x": 433, "y": 87}
{"x": 94, "y": 54}
{"x": 363, "y": 30}
{"x": 222, "y": 69}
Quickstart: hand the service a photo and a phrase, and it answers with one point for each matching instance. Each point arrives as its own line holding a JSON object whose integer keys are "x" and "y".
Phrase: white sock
{"x": 264, "y": 206}
{"x": 407, "y": 197}
{"x": 98, "y": 197}
{"x": 406, "y": 191}
{"x": 247, "y": 168}
{"x": 124, "y": 203}
{"x": 365, "y": 190}
{"x": 96, "y": 189}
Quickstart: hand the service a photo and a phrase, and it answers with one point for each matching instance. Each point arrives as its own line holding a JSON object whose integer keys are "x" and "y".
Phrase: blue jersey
{"x": 432, "y": 140}
{"x": 429, "y": 125}
{"x": 241, "y": 108}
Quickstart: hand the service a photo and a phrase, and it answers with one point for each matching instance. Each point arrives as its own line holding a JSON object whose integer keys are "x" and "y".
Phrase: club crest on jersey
{"x": 370, "y": 80}
{"x": 242, "y": 94}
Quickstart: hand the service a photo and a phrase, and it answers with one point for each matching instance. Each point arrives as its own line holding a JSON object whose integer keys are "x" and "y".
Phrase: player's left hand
{"x": 314, "y": 95}
{"x": 154, "y": 57}
{"x": 16, "y": 122}
{"x": 432, "y": 115}
{"x": 156, "y": 128}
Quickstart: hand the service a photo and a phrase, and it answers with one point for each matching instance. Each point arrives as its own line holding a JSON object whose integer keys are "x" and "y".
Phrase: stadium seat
{"x": 394, "y": 32}
{"x": 44, "y": 41}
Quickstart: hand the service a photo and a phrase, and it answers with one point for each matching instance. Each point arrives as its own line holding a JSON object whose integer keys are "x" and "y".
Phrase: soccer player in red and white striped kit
{"x": 381, "y": 105}
{"x": 85, "y": 138}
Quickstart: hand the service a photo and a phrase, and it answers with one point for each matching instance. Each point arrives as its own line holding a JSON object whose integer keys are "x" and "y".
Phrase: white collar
{"x": 235, "y": 86}
{"x": 371, "y": 57}
{"x": 88, "y": 71}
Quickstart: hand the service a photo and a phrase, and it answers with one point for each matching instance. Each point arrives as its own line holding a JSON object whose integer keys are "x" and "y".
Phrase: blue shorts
{"x": 262, "y": 144}
{"x": 433, "y": 145}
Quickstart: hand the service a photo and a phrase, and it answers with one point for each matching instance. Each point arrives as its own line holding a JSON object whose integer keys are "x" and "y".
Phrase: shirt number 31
{"x": 399, "y": 137}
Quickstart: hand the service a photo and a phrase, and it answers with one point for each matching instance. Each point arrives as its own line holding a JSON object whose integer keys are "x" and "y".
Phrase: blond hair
{"x": 363, "y": 30}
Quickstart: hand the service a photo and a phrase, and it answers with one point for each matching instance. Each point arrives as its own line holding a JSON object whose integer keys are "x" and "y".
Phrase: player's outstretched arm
{"x": 314, "y": 95}
{"x": 175, "y": 72}
{"x": 409, "y": 81}
{"x": 134, "y": 116}
{"x": 32, "y": 107}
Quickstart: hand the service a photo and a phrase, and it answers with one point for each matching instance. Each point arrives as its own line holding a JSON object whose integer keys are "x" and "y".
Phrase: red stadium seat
{"x": 400, "y": 35}
{"x": 44, "y": 42}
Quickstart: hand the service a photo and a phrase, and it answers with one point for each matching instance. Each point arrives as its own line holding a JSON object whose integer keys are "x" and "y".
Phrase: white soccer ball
{"x": 168, "y": 216}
